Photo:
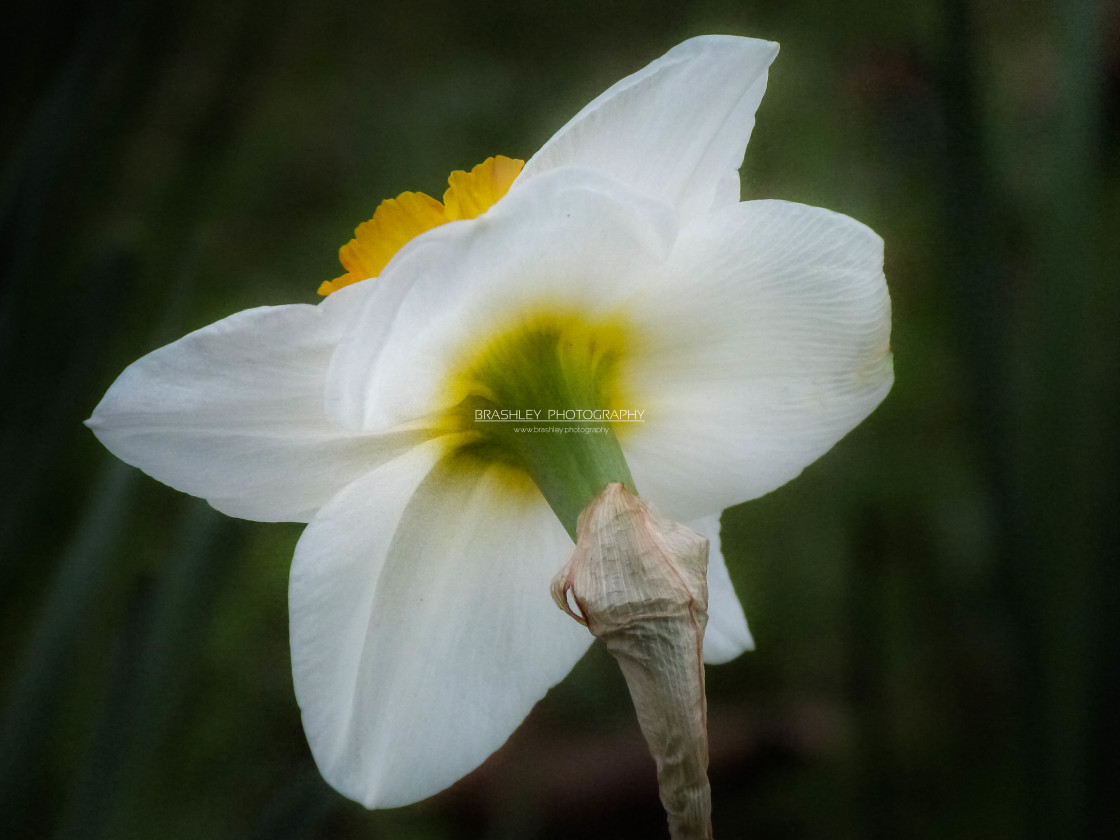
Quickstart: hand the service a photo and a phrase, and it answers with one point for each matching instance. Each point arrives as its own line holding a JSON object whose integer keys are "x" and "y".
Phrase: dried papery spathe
{"x": 639, "y": 583}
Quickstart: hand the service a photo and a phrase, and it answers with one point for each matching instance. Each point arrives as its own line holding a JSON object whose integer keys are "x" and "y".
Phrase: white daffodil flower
{"x": 617, "y": 271}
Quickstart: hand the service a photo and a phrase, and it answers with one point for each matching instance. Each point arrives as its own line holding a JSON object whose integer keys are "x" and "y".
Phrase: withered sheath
{"x": 639, "y": 583}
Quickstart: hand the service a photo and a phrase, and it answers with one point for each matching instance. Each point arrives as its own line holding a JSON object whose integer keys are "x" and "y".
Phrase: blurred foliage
{"x": 935, "y": 602}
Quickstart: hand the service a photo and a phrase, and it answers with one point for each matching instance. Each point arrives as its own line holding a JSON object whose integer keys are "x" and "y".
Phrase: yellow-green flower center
{"x": 539, "y": 395}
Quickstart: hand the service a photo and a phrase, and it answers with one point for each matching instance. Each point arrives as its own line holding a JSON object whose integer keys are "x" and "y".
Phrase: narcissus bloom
{"x": 617, "y": 271}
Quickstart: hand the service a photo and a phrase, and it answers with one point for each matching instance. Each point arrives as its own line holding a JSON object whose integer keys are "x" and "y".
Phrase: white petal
{"x": 768, "y": 341}
{"x": 676, "y": 129}
{"x": 234, "y": 413}
{"x": 571, "y": 240}
{"x": 422, "y": 626}
{"x": 726, "y": 635}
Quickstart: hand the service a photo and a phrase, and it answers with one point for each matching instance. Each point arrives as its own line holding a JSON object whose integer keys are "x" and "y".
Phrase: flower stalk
{"x": 639, "y": 583}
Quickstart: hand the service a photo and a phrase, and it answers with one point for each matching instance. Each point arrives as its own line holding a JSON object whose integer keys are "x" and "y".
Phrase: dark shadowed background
{"x": 936, "y": 602}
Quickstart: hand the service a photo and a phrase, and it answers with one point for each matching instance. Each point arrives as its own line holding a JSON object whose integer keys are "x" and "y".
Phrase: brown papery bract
{"x": 639, "y": 583}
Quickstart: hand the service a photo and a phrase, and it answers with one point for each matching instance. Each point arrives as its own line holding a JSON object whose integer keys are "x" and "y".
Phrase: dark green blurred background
{"x": 936, "y": 602}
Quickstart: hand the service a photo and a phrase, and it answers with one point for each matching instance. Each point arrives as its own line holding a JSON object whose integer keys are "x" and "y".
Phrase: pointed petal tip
{"x": 737, "y": 42}
{"x": 726, "y": 648}
{"x": 100, "y": 418}
{"x": 100, "y": 421}
{"x": 677, "y": 129}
